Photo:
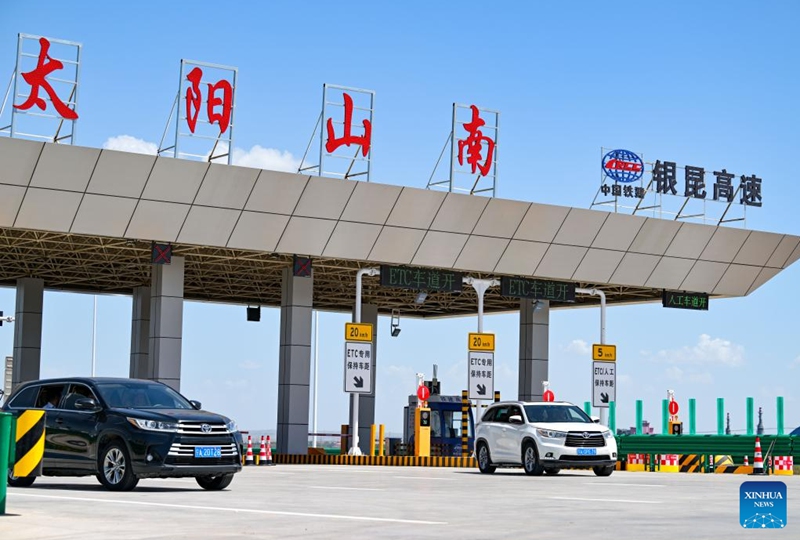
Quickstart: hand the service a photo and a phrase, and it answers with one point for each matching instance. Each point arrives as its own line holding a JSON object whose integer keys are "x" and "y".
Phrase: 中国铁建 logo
{"x": 762, "y": 505}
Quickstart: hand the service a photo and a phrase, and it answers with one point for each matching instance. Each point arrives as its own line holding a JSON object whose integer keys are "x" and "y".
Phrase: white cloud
{"x": 795, "y": 363}
{"x": 271, "y": 159}
{"x": 701, "y": 378}
{"x": 624, "y": 380}
{"x": 674, "y": 372}
{"x": 126, "y": 143}
{"x": 257, "y": 157}
{"x": 249, "y": 364}
{"x": 708, "y": 350}
{"x": 579, "y": 347}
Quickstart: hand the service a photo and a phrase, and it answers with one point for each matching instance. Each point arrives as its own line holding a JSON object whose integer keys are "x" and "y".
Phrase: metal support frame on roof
{"x": 198, "y": 146}
{"x": 43, "y": 125}
{"x": 460, "y": 180}
{"x": 352, "y": 167}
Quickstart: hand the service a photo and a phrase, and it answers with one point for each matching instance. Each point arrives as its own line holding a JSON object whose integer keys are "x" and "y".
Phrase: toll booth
{"x": 445, "y": 425}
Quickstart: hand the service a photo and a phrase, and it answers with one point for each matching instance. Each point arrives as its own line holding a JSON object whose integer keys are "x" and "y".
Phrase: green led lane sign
{"x": 537, "y": 289}
{"x": 684, "y": 300}
{"x": 423, "y": 279}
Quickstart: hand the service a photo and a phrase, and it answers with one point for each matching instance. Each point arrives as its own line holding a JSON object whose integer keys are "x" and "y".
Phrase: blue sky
{"x": 706, "y": 84}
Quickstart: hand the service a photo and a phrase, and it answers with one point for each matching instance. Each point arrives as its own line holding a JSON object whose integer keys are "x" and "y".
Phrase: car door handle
{"x": 59, "y": 420}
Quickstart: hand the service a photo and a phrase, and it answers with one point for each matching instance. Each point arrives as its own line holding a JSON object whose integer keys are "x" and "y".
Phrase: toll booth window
{"x": 25, "y": 399}
{"x": 436, "y": 425}
{"x": 50, "y": 396}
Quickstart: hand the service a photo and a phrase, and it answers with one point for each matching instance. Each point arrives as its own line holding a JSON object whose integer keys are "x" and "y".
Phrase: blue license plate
{"x": 207, "y": 451}
{"x": 587, "y": 451}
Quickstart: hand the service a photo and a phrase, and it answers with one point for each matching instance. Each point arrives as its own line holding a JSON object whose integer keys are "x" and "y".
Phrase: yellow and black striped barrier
{"x": 389, "y": 461}
{"x": 29, "y": 448}
{"x": 691, "y": 463}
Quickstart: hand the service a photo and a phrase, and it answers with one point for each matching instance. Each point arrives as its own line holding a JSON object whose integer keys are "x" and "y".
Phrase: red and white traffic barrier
{"x": 669, "y": 463}
{"x": 248, "y": 460}
{"x": 784, "y": 465}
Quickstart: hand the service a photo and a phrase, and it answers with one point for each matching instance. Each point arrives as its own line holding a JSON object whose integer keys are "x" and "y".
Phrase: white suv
{"x": 543, "y": 437}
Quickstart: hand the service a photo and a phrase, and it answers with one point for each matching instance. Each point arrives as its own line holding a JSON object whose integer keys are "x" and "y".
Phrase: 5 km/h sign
{"x": 604, "y": 353}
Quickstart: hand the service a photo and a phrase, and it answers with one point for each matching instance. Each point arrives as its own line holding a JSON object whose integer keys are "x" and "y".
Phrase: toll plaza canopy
{"x": 83, "y": 219}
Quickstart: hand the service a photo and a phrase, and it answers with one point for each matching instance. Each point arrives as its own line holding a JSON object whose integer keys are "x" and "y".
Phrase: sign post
{"x": 357, "y": 390}
{"x": 480, "y": 358}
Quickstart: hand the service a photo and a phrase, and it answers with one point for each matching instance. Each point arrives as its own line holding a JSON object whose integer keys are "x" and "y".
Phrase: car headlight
{"x": 232, "y": 427}
{"x": 154, "y": 425}
{"x": 551, "y": 434}
{"x": 608, "y": 434}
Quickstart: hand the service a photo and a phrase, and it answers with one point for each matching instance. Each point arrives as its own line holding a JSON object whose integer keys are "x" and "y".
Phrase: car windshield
{"x": 141, "y": 395}
{"x": 556, "y": 413}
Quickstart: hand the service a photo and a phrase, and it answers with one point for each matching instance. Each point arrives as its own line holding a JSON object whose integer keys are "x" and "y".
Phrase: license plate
{"x": 587, "y": 451}
{"x": 207, "y": 451}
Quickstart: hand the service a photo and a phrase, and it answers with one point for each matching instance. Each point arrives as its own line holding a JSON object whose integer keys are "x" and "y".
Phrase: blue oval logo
{"x": 623, "y": 166}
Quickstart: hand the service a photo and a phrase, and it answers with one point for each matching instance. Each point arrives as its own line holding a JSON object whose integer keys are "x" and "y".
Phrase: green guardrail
{"x": 732, "y": 445}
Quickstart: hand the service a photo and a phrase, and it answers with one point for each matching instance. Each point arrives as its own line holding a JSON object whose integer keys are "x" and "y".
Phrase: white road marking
{"x": 603, "y": 500}
{"x": 347, "y": 488}
{"x": 17, "y": 493}
{"x": 422, "y": 478}
{"x": 615, "y": 484}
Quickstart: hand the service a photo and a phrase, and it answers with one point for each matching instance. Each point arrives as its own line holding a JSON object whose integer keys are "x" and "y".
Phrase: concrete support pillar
{"x": 366, "y": 402}
{"x": 534, "y": 350}
{"x": 140, "y": 334}
{"x": 294, "y": 364}
{"x": 166, "y": 323}
{"x": 28, "y": 330}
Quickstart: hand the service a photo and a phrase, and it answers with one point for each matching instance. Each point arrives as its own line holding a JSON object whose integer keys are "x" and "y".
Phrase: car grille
{"x": 576, "y": 439}
{"x": 583, "y": 458}
{"x": 196, "y": 428}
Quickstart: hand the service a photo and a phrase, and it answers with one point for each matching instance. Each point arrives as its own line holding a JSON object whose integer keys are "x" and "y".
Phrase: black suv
{"x": 122, "y": 430}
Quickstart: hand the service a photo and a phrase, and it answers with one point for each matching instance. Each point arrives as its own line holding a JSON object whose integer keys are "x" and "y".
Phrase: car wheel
{"x": 603, "y": 471}
{"x": 530, "y": 460}
{"x": 485, "y": 460}
{"x": 116, "y": 473}
{"x": 552, "y": 471}
{"x": 16, "y": 481}
{"x": 215, "y": 483}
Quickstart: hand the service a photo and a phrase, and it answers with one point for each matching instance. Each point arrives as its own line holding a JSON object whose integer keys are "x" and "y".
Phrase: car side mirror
{"x": 196, "y": 404}
{"x": 86, "y": 404}
{"x": 515, "y": 419}
{"x": 596, "y": 419}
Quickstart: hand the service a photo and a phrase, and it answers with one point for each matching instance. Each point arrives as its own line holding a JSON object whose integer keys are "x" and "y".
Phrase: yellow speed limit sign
{"x": 481, "y": 342}
{"x": 358, "y": 332}
{"x": 604, "y": 353}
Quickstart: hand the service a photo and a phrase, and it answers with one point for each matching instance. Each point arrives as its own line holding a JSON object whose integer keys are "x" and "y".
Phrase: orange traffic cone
{"x": 758, "y": 463}
{"x": 248, "y": 460}
{"x": 268, "y": 458}
{"x": 262, "y": 453}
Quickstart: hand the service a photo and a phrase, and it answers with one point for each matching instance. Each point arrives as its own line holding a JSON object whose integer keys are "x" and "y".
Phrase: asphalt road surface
{"x": 300, "y": 501}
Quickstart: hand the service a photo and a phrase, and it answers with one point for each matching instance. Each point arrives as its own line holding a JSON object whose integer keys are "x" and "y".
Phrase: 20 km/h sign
{"x": 604, "y": 353}
{"x": 358, "y": 332}
{"x": 604, "y": 383}
{"x": 480, "y": 342}
{"x": 358, "y": 367}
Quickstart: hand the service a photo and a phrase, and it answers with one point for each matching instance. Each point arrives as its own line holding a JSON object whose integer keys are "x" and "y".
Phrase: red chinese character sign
{"x": 204, "y": 121}
{"x": 473, "y": 145}
{"x": 473, "y": 152}
{"x": 345, "y": 134}
{"x": 45, "y": 96}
